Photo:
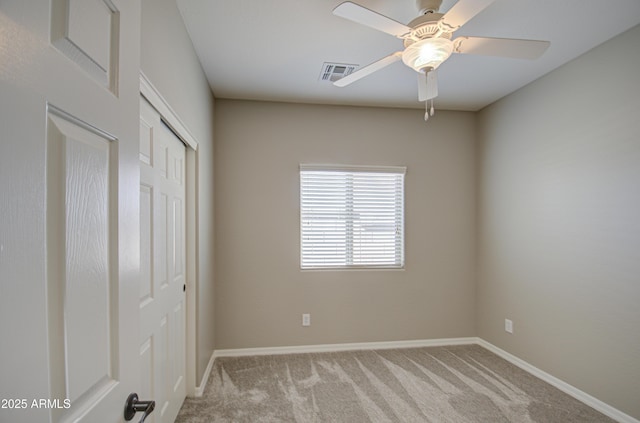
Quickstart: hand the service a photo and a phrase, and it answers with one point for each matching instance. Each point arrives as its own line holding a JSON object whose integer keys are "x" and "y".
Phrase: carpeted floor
{"x": 439, "y": 384}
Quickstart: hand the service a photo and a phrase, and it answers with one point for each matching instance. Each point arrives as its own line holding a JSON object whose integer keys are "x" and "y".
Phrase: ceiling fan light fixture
{"x": 427, "y": 53}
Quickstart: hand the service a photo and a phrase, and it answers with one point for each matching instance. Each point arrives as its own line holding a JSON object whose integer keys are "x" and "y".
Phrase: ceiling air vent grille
{"x": 331, "y": 72}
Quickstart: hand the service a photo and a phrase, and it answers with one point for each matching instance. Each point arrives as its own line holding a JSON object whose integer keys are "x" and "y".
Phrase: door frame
{"x": 171, "y": 119}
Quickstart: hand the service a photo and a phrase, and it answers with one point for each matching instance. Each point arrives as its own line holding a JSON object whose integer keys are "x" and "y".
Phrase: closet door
{"x": 162, "y": 255}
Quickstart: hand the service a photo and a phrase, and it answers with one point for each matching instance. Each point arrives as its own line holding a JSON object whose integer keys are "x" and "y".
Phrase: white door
{"x": 69, "y": 218}
{"x": 162, "y": 256}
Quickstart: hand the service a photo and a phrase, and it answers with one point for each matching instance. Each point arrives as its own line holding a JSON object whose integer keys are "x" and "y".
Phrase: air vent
{"x": 331, "y": 72}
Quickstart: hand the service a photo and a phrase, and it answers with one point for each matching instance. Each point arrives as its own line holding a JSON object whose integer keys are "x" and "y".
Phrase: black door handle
{"x": 134, "y": 405}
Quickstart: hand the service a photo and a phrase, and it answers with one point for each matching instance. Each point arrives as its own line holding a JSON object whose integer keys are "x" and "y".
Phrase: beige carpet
{"x": 439, "y": 384}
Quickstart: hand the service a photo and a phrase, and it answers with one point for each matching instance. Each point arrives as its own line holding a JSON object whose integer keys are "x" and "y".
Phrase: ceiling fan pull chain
{"x": 428, "y": 111}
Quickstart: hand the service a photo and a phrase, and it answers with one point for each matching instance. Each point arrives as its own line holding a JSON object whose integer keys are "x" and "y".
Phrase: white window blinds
{"x": 351, "y": 217}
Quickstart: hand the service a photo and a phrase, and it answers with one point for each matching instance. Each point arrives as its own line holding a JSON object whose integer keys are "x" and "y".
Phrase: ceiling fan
{"x": 427, "y": 41}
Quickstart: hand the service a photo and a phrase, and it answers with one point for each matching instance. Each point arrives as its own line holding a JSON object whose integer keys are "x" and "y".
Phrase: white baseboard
{"x": 205, "y": 377}
{"x": 582, "y": 396}
{"x": 343, "y": 347}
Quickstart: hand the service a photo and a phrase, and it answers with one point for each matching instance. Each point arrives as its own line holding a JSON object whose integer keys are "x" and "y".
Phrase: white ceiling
{"x": 274, "y": 49}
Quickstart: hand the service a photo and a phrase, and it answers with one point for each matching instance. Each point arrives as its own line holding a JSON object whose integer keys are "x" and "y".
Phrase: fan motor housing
{"x": 425, "y": 26}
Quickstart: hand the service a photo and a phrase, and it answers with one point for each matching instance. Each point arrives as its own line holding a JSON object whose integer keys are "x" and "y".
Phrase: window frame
{"x": 399, "y": 262}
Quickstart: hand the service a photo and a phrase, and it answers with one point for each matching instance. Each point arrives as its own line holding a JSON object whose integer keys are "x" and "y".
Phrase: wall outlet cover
{"x": 508, "y": 325}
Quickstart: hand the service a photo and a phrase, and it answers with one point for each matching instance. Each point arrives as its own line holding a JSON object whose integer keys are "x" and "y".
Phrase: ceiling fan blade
{"x": 368, "y": 70}
{"x": 502, "y": 47}
{"x": 461, "y": 13}
{"x": 362, "y": 15}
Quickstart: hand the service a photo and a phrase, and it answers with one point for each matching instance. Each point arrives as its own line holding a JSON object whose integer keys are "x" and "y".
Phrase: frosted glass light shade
{"x": 428, "y": 53}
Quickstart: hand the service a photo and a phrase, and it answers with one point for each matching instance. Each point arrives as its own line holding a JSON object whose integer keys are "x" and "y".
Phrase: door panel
{"x": 87, "y": 32}
{"x": 79, "y": 185}
{"x": 69, "y": 233}
{"x": 162, "y": 175}
{"x": 146, "y": 239}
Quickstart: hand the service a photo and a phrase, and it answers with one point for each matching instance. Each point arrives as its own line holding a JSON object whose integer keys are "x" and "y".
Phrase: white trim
{"x": 241, "y": 352}
{"x": 191, "y": 225}
{"x": 169, "y": 116}
{"x": 199, "y": 391}
{"x": 352, "y": 168}
{"x": 576, "y": 393}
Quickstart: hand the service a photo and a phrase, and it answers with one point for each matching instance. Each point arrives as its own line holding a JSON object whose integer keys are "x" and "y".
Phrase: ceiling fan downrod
{"x": 428, "y": 6}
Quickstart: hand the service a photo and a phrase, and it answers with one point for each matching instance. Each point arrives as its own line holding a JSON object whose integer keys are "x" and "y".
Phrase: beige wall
{"x": 559, "y": 223}
{"x": 261, "y": 291}
{"x": 169, "y": 61}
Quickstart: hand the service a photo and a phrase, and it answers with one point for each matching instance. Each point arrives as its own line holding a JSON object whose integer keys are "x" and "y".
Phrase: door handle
{"x": 134, "y": 405}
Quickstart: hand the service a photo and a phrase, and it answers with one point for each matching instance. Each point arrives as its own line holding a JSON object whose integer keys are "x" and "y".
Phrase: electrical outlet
{"x": 508, "y": 325}
{"x": 306, "y": 319}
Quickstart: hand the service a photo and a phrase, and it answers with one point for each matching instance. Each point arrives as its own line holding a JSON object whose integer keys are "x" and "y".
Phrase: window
{"x": 351, "y": 217}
